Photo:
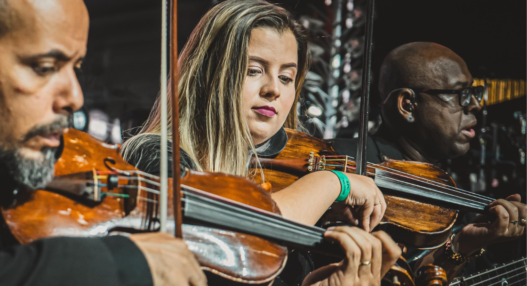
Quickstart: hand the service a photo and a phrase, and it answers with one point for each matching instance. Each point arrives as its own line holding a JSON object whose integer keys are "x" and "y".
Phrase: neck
{"x": 406, "y": 146}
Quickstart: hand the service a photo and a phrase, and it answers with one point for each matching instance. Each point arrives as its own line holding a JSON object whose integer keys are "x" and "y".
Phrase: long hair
{"x": 212, "y": 71}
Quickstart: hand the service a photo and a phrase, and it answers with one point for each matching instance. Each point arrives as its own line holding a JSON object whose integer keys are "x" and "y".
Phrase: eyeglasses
{"x": 464, "y": 94}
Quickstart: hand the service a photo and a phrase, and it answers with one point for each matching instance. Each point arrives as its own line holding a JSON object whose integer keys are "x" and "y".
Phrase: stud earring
{"x": 410, "y": 118}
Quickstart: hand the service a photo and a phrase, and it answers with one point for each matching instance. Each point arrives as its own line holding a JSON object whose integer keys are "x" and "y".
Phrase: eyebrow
{"x": 56, "y": 54}
{"x": 266, "y": 63}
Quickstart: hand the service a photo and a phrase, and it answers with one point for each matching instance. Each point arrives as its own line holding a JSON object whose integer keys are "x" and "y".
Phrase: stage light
{"x": 80, "y": 120}
{"x": 98, "y": 126}
{"x": 314, "y": 111}
{"x": 116, "y": 132}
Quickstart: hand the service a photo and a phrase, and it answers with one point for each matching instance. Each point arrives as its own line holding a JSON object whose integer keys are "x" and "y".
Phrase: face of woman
{"x": 269, "y": 89}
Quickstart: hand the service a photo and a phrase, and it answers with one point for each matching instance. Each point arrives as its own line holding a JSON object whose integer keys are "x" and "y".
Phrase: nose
{"x": 69, "y": 94}
{"x": 271, "y": 88}
{"x": 474, "y": 106}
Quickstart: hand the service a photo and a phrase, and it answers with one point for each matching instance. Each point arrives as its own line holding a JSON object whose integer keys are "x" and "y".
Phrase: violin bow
{"x": 361, "y": 161}
{"x": 176, "y": 169}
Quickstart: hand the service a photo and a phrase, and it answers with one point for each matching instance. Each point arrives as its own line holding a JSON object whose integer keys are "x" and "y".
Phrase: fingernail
{"x": 330, "y": 230}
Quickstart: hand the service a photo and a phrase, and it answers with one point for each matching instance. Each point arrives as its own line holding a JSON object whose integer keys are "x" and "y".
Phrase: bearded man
{"x": 42, "y": 42}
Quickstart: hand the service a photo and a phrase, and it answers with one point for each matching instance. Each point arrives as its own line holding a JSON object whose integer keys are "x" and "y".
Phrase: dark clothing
{"x": 102, "y": 261}
{"x": 146, "y": 158}
{"x": 377, "y": 147}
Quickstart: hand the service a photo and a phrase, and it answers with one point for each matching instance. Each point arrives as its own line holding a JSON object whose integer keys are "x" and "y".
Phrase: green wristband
{"x": 344, "y": 186}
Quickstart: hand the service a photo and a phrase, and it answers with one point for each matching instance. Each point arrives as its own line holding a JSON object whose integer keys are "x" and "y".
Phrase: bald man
{"x": 42, "y": 42}
{"x": 428, "y": 109}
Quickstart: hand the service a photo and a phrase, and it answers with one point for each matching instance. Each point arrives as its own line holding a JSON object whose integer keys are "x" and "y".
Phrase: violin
{"x": 423, "y": 202}
{"x": 231, "y": 224}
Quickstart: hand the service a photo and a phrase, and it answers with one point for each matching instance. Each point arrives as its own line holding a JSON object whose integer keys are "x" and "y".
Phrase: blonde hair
{"x": 212, "y": 70}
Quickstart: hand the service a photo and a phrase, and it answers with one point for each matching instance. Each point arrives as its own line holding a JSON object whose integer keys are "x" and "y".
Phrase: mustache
{"x": 56, "y": 126}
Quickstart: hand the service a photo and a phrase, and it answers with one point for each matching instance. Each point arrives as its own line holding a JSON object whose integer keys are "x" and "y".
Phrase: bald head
{"x": 420, "y": 65}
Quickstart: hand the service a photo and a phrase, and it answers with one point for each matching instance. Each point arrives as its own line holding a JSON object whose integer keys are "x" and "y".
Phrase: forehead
{"x": 43, "y": 25}
{"x": 447, "y": 73}
{"x": 273, "y": 45}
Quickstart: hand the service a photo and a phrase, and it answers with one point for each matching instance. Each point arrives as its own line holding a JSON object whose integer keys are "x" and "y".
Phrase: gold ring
{"x": 514, "y": 222}
{"x": 523, "y": 221}
{"x": 365, "y": 263}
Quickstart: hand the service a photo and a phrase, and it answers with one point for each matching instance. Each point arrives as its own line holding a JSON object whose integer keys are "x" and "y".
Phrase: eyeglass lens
{"x": 466, "y": 94}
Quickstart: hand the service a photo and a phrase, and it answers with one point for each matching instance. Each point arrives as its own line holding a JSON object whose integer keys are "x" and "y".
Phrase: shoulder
{"x": 144, "y": 152}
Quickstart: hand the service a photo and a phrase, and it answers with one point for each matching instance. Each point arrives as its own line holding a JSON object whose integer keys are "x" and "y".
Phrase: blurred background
{"x": 120, "y": 76}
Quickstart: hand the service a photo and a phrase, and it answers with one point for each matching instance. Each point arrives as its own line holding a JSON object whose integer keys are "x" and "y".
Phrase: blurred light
{"x": 337, "y": 43}
{"x": 345, "y": 96}
{"x": 335, "y": 103}
{"x": 347, "y": 67}
{"x": 349, "y": 23}
{"x": 314, "y": 111}
{"x": 335, "y": 91}
{"x": 98, "y": 127}
{"x": 336, "y": 61}
{"x": 350, "y": 5}
{"x": 116, "y": 132}
{"x": 80, "y": 120}
{"x": 328, "y": 2}
{"x": 345, "y": 122}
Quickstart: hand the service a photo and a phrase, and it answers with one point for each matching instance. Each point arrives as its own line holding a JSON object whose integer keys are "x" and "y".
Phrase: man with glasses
{"x": 428, "y": 109}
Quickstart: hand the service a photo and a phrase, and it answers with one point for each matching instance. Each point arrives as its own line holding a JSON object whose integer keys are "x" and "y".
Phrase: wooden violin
{"x": 422, "y": 200}
{"x": 231, "y": 224}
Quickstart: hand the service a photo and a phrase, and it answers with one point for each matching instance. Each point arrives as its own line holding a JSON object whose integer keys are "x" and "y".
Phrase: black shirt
{"x": 102, "y": 261}
{"x": 146, "y": 158}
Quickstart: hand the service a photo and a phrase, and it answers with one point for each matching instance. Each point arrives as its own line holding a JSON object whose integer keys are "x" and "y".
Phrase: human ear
{"x": 406, "y": 104}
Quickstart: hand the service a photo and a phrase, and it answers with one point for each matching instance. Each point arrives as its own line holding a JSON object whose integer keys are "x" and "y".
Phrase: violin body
{"x": 58, "y": 211}
{"x": 414, "y": 223}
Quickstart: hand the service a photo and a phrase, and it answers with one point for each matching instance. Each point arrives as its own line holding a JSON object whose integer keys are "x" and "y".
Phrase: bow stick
{"x": 176, "y": 170}
{"x": 365, "y": 98}
{"x": 176, "y": 167}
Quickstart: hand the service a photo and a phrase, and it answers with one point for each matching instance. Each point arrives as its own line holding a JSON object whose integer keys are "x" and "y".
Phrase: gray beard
{"x": 32, "y": 174}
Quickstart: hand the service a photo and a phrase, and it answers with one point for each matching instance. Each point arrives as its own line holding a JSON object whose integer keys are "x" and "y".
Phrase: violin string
{"x": 435, "y": 184}
{"x": 447, "y": 188}
{"x": 424, "y": 179}
{"x": 141, "y": 180}
{"x": 520, "y": 262}
{"x": 508, "y": 278}
{"x": 428, "y": 181}
{"x": 414, "y": 177}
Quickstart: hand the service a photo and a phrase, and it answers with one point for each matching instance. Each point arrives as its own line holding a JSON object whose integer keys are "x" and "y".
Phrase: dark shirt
{"x": 102, "y": 261}
{"x": 146, "y": 158}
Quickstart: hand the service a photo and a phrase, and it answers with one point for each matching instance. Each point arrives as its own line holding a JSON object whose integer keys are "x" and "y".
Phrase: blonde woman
{"x": 240, "y": 78}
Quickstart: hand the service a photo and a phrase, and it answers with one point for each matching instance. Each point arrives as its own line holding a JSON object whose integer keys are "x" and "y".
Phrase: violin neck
{"x": 512, "y": 273}
{"x": 211, "y": 209}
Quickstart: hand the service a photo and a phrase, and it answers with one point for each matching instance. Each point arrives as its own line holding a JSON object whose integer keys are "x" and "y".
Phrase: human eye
{"x": 44, "y": 68}
{"x": 286, "y": 79}
{"x": 253, "y": 71}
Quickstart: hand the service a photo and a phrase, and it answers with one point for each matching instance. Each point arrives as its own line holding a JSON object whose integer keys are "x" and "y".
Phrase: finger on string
{"x": 366, "y": 245}
{"x": 515, "y": 197}
{"x": 367, "y": 211}
{"x": 510, "y": 207}
{"x": 350, "y": 247}
{"x": 376, "y": 216}
{"x": 390, "y": 251}
{"x": 376, "y": 254}
{"x": 501, "y": 224}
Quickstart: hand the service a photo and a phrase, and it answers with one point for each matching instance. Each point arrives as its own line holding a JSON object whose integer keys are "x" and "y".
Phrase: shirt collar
{"x": 274, "y": 145}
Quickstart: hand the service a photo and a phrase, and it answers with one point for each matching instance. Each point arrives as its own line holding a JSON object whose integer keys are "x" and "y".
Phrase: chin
{"x": 459, "y": 149}
{"x": 262, "y": 131}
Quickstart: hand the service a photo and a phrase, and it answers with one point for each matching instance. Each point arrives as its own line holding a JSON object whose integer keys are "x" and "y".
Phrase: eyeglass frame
{"x": 445, "y": 91}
